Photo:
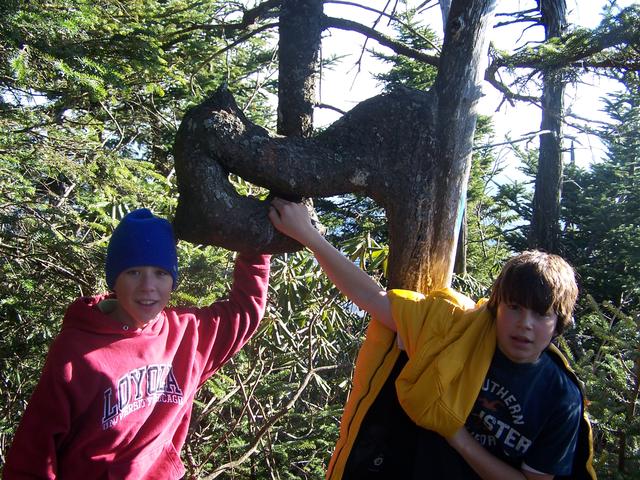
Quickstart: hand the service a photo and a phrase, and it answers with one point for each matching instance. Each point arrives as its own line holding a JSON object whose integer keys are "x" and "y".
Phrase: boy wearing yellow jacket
{"x": 445, "y": 388}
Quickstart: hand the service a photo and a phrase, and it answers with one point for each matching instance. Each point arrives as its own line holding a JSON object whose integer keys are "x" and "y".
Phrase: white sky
{"x": 344, "y": 86}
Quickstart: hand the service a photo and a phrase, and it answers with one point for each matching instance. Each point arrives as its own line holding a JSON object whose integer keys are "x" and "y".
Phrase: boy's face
{"x": 523, "y": 333}
{"x": 142, "y": 294}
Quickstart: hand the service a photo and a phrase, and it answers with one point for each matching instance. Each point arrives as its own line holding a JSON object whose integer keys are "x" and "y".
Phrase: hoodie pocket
{"x": 156, "y": 464}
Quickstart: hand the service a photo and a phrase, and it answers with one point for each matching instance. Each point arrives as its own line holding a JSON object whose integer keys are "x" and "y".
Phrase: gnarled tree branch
{"x": 364, "y": 152}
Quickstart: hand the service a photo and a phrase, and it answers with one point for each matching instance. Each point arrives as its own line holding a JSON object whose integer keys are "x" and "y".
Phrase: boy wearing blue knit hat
{"x": 142, "y": 246}
{"x": 116, "y": 393}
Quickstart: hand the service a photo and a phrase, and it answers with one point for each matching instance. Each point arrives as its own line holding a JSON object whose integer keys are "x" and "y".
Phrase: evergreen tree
{"x": 601, "y": 208}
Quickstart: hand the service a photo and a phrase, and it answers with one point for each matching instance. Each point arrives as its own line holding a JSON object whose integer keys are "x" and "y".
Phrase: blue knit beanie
{"x": 141, "y": 239}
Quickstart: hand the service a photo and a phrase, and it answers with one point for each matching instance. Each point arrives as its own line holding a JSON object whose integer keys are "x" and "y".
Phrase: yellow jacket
{"x": 450, "y": 342}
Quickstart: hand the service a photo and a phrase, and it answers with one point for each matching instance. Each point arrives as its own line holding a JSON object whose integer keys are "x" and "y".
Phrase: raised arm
{"x": 292, "y": 219}
{"x": 226, "y": 325}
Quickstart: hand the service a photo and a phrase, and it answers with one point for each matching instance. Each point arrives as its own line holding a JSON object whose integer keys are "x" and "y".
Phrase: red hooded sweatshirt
{"x": 114, "y": 402}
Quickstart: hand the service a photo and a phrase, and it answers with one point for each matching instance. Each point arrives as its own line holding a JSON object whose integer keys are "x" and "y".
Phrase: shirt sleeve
{"x": 227, "y": 325}
{"x": 43, "y": 428}
{"x": 553, "y": 450}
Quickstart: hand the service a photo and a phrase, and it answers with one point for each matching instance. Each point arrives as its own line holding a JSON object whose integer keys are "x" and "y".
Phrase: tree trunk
{"x": 545, "y": 221}
{"x": 423, "y": 241}
{"x": 298, "y": 49}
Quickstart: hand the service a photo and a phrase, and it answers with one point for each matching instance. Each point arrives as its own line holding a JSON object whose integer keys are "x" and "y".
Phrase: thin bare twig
{"x": 397, "y": 47}
{"x": 265, "y": 428}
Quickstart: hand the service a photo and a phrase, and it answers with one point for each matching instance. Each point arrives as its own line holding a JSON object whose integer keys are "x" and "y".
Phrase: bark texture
{"x": 298, "y": 48}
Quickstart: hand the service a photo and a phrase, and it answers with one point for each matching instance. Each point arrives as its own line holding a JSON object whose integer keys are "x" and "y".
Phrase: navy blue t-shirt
{"x": 524, "y": 412}
{"x": 528, "y": 413}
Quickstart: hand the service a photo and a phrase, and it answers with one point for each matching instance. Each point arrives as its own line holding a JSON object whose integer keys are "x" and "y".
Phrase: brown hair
{"x": 539, "y": 281}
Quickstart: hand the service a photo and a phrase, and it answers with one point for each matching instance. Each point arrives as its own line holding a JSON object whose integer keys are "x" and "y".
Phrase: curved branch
{"x": 397, "y": 47}
{"x": 363, "y": 152}
{"x": 326, "y": 106}
{"x": 391, "y": 17}
{"x": 490, "y": 76}
{"x": 580, "y": 48}
{"x": 524, "y": 16}
{"x": 249, "y": 18}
